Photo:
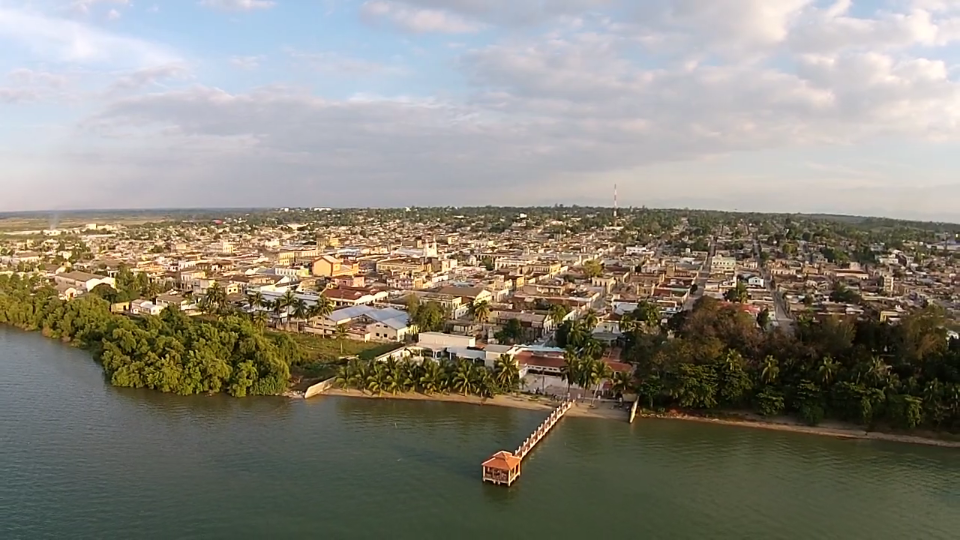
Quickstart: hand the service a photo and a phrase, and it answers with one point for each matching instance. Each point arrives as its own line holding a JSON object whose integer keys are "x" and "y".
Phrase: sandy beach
{"x": 609, "y": 412}
{"x": 533, "y": 403}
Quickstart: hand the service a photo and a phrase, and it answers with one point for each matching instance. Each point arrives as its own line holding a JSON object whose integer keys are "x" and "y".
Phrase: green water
{"x": 80, "y": 459}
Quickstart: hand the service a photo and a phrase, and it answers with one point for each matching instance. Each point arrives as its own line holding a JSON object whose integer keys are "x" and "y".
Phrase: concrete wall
{"x": 319, "y": 388}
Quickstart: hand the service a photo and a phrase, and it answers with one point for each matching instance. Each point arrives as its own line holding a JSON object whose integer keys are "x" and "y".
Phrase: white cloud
{"x": 84, "y": 6}
{"x": 143, "y": 78}
{"x": 62, "y": 40}
{"x": 238, "y": 5}
{"x": 494, "y": 12}
{"x": 113, "y": 15}
{"x": 246, "y": 62}
{"x": 417, "y": 20}
{"x": 336, "y": 63}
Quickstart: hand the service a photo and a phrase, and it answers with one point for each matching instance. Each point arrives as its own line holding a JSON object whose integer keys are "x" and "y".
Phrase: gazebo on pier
{"x": 503, "y": 468}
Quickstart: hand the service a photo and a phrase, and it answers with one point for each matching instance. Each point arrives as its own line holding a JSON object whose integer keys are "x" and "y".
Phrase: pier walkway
{"x": 503, "y": 468}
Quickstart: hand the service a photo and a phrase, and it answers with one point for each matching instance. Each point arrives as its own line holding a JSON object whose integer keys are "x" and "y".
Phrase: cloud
{"x": 26, "y": 85}
{"x": 238, "y": 5}
{"x": 553, "y": 99}
{"x": 66, "y": 41}
{"x": 29, "y": 77}
{"x": 246, "y": 62}
{"x": 468, "y": 15}
{"x": 336, "y": 63}
{"x": 417, "y": 20}
{"x": 142, "y": 78}
{"x": 84, "y": 6}
{"x": 113, "y": 15}
{"x": 17, "y": 95}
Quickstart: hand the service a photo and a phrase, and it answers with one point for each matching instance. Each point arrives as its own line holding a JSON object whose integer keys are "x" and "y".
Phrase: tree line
{"x": 716, "y": 357}
{"x": 430, "y": 376}
{"x": 171, "y": 352}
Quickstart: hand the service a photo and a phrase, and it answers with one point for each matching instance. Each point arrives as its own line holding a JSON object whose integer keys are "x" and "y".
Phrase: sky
{"x": 840, "y": 106}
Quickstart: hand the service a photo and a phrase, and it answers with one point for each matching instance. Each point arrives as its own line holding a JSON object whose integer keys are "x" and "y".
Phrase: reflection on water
{"x": 120, "y": 463}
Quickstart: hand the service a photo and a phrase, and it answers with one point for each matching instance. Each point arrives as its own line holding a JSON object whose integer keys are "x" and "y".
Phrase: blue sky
{"x": 795, "y": 105}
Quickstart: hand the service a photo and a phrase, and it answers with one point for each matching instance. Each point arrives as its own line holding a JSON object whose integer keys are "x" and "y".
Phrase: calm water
{"x": 79, "y": 459}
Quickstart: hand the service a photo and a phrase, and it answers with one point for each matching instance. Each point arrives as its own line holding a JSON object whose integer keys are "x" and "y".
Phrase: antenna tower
{"x": 614, "y": 204}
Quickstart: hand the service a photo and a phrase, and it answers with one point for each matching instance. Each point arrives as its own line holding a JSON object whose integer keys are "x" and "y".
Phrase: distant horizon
{"x": 188, "y": 209}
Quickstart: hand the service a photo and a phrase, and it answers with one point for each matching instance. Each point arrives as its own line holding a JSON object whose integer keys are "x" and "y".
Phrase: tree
{"x": 512, "y": 332}
{"x": 770, "y": 371}
{"x": 255, "y": 300}
{"x": 557, "y": 313}
{"x": 341, "y": 333}
{"x": 589, "y": 320}
{"x": 480, "y": 310}
{"x": 592, "y": 268}
{"x": 622, "y": 383}
{"x": 763, "y": 319}
{"x": 299, "y": 311}
{"x": 737, "y": 294}
{"x": 507, "y": 373}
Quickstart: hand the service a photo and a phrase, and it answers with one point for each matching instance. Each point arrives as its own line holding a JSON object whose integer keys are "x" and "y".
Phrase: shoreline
{"x": 827, "y": 429}
{"x": 524, "y": 402}
{"x": 608, "y": 412}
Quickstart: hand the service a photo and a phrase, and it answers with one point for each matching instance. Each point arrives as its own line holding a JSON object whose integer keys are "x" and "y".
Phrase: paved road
{"x": 702, "y": 276}
{"x": 779, "y": 306}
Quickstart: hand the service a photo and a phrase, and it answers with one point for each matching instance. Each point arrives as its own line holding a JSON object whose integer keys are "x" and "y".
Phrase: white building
{"x": 387, "y": 324}
{"x": 440, "y": 341}
{"x": 723, "y": 265}
{"x": 83, "y": 281}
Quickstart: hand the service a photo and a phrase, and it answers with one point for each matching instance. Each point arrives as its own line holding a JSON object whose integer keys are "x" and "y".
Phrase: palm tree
{"x": 557, "y": 313}
{"x": 828, "y": 370}
{"x": 770, "y": 371}
{"x": 507, "y": 373}
{"x": 299, "y": 311}
{"x": 255, "y": 300}
{"x": 622, "y": 382}
{"x": 480, "y": 311}
{"x": 260, "y": 318}
{"x": 276, "y": 307}
{"x": 323, "y": 307}
{"x": 572, "y": 366}
{"x": 462, "y": 381}
{"x": 648, "y": 314}
{"x": 590, "y": 320}
{"x": 431, "y": 376}
{"x": 879, "y": 373}
{"x": 341, "y": 333}
{"x": 287, "y": 301}
{"x": 376, "y": 380}
{"x": 628, "y": 323}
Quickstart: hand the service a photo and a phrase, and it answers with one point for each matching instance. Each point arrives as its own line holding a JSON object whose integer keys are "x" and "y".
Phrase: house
{"x": 66, "y": 292}
{"x": 440, "y": 341}
{"x": 83, "y": 281}
{"x": 354, "y": 296}
{"x": 144, "y": 307}
{"x": 386, "y": 324}
{"x": 330, "y": 266}
{"x": 175, "y": 300}
{"x": 469, "y": 294}
{"x": 722, "y": 265}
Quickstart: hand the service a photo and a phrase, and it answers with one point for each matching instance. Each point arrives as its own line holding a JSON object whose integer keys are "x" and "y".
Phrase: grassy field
{"x": 320, "y": 349}
{"x": 324, "y": 356}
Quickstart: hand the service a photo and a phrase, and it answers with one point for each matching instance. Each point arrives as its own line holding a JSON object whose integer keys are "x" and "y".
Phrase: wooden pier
{"x": 503, "y": 468}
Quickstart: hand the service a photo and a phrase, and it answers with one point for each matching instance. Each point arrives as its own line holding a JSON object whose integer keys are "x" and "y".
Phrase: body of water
{"x": 80, "y": 459}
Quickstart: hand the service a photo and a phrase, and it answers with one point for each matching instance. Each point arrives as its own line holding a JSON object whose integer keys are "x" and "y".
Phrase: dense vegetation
{"x": 171, "y": 352}
{"x": 905, "y": 375}
{"x": 430, "y": 377}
